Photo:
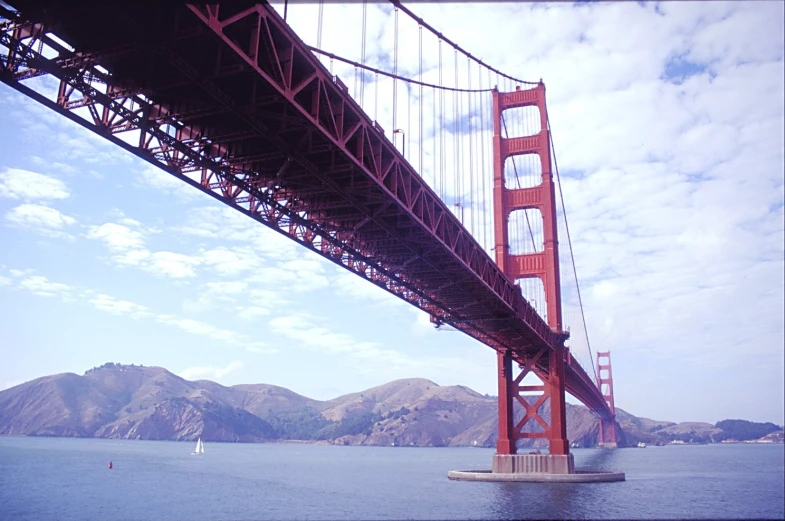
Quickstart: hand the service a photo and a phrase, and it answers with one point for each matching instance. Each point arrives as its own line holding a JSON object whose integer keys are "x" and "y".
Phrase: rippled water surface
{"x": 68, "y": 479}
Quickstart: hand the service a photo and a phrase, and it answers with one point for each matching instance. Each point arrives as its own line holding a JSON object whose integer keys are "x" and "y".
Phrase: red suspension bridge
{"x": 448, "y": 197}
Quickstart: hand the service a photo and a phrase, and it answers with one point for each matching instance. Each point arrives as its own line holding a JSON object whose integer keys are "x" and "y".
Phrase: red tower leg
{"x": 607, "y": 428}
{"x": 506, "y": 443}
{"x": 544, "y": 265}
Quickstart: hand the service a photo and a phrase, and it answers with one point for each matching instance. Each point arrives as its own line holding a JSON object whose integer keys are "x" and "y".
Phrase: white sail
{"x": 199, "y": 447}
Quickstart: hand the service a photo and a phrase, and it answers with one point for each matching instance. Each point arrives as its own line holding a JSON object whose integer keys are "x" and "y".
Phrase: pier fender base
{"x": 580, "y": 476}
{"x": 535, "y": 468}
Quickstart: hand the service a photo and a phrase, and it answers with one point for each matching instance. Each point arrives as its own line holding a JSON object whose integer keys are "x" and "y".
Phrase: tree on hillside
{"x": 745, "y": 430}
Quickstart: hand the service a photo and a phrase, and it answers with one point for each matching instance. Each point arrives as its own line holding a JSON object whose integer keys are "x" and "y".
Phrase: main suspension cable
{"x": 390, "y": 74}
{"x": 457, "y": 47}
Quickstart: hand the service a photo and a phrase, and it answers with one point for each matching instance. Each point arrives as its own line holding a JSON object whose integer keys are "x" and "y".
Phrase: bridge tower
{"x": 543, "y": 265}
{"x": 605, "y": 383}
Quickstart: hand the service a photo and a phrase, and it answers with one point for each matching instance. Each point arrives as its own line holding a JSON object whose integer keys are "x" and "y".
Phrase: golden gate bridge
{"x": 448, "y": 196}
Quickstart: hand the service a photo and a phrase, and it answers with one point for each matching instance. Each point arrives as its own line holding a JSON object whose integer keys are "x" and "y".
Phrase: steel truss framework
{"x": 229, "y": 100}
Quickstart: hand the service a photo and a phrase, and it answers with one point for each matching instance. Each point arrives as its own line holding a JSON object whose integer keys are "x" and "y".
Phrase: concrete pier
{"x": 531, "y": 463}
{"x": 535, "y": 468}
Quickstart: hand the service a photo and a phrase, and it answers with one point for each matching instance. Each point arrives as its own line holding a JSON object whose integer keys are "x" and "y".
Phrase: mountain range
{"x": 151, "y": 403}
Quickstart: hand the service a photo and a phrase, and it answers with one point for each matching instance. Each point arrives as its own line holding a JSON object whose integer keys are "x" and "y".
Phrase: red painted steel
{"x": 229, "y": 100}
{"x": 544, "y": 265}
{"x": 607, "y": 426}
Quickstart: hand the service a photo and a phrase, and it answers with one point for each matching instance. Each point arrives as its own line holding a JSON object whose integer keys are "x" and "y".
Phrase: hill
{"x": 135, "y": 402}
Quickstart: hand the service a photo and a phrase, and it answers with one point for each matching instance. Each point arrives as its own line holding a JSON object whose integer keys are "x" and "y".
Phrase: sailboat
{"x": 199, "y": 450}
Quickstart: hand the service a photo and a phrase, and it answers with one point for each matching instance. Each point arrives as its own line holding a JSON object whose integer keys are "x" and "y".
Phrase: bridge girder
{"x": 236, "y": 106}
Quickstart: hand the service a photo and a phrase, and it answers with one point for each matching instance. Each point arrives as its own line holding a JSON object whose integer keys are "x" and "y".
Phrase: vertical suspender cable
{"x": 421, "y": 110}
{"x": 408, "y": 135}
{"x": 362, "y": 54}
{"x": 433, "y": 139}
{"x": 456, "y": 159}
{"x": 491, "y": 116}
{"x": 483, "y": 175}
{"x": 472, "y": 215}
{"x": 319, "y": 27}
{"x": 569, "y": 242}
{"x": 395, "y": 78}
{"x": 433, "y": 131}
{"x": 441, "y": 125}
{"x": 518, "y": 182}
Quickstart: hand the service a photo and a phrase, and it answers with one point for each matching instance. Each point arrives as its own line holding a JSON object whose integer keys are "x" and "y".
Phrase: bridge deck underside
{"x": 262, "y": 126}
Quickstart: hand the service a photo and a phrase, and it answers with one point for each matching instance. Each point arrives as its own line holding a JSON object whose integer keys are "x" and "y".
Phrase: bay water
{"x": 69, "y": 479}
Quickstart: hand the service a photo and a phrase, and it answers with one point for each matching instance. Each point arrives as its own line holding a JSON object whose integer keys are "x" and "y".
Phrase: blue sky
{"x": 673, "y": 160}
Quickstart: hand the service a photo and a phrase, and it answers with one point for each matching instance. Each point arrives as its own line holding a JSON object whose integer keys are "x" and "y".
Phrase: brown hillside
{"x": 119, "y": 401}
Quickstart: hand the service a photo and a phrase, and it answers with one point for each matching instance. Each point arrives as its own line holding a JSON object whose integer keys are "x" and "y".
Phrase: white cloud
{"x": 231, "y": 261}
{"x": 41, "y": 219}
{"x": 157, "y": 179}
{"x": 40, "y": 285}
{"x": 311, "y": 333}
{"x": 210, "y": 372}
{"x": 66, "y": 141}
{"x": 55, "y": 165}
{"x": 356, "y": 287}
{"x": 173, "y": 265}
{"x": 604, "y": 289}
{"x": 117, "y": 237}
{"x": 132, "y": 258}
{"x": 422, "y": 322}
{"x": 119, "y": 307}
{"x": 251, "y": 313}
{"x": 24, "y": 184}
{"x": 217, "y": 294}
{"x": 128, "y": 246}
{"x": 303, "y": 329}
{"x": 226, "y": 224}
{"x": 126, "y": 221}
{"x": 196, "y": 327}
{"x": 261, "y": 348}
{"x": 267, "y": 261}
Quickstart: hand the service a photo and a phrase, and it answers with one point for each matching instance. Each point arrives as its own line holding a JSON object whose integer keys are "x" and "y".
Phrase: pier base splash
{"x": 535, "y": 468}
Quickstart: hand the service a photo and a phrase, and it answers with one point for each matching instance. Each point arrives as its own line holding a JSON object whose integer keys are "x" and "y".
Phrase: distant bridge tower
{"x": 547, "y": 365}
{"x": 605, "y": 383}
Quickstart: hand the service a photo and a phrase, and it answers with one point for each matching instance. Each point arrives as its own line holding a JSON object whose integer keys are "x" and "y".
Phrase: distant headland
{"x": 151, "y": 403}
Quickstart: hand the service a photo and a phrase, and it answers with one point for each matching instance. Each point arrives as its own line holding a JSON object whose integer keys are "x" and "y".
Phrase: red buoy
{"x": 110, "y": 464}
